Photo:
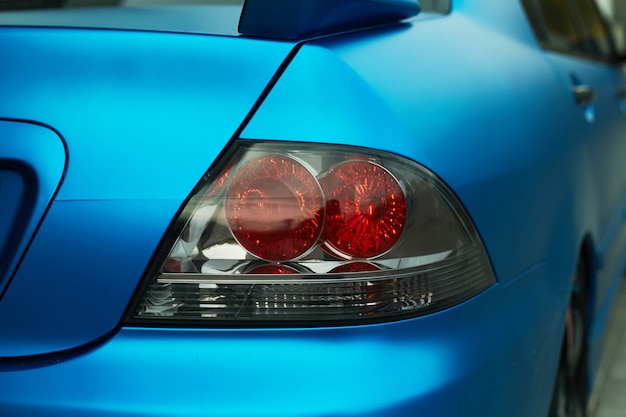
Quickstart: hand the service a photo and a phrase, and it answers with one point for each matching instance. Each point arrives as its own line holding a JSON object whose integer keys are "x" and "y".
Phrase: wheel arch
{"x": 586, "y": 254}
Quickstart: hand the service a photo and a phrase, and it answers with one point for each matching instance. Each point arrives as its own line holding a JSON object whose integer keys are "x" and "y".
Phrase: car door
{"x": 579, "y": 47}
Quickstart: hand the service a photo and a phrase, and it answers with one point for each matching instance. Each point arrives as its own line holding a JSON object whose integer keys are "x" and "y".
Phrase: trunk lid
{"x": 142, "y": 115}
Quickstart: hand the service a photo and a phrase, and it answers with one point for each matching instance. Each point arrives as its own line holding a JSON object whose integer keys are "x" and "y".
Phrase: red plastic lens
{"x": 365, "y": 210}
{"x": 272, "y": 269}
{"x": 275, "y": 208}
{"x": 302, "y": 234}
{"x": 354, "y": 267}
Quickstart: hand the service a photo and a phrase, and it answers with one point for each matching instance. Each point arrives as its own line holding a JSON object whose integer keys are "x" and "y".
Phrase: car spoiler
{"x": 301, "y": 19}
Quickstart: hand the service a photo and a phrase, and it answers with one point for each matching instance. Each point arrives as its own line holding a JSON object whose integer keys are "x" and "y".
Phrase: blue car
{"x": 308, "y": 207}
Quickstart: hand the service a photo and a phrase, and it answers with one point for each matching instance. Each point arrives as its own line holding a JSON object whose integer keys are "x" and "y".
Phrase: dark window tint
{"x": 534, "y": 16}
{"x": 437, "y": 6}
{"x": 45, "y": 4}
{"x": 595, "y": 36}
{"x": 560, "y": 31}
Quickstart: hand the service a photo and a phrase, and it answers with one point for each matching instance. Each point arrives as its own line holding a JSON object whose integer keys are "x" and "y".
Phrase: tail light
{"x": 304, "y": 234}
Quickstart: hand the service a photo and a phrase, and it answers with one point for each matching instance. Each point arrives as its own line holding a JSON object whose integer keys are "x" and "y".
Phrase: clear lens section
{"x": 308, "y": 234}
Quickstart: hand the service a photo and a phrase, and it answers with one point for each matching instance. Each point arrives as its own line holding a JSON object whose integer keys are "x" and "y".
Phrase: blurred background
{"x": 609, "y": 396}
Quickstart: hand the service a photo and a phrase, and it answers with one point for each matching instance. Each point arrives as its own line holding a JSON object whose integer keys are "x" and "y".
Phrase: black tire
{"x": 569, "y": 398}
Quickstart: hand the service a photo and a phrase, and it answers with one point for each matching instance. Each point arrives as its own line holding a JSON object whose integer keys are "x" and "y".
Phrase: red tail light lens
{"x": 272, "y": 269}
{"x": 306, "y": 234}
{"x": 354, "y": 267}
{"x": 275, "y": 208}
{"x": 366, "y": 210}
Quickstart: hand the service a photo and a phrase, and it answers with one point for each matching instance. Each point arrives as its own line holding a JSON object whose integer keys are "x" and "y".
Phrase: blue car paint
{"x": 429, "y": 120}
{"x": 479, "y": 357}
{"x": 33, "y": 165}
{"x": 139, "y": 137}
{"x": 487, "y": 356}
{"x": 603, "y": 169}
{"x": 150, "y": 117}
{"x": 522, "y": 166}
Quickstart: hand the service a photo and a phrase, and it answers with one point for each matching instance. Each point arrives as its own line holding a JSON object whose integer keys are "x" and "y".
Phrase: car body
{"x": 492, "y": 149}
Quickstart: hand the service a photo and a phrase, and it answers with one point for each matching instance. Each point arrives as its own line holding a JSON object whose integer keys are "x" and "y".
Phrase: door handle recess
{"x": 583, "y": 94}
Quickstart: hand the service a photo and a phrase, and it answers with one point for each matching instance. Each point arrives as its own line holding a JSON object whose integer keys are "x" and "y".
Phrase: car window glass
{"x": 535, "y": 19}
{"x": 560, "y": 31}
{"x": 595, "y": 36}
{"x": 437, "y": 6}
{"x": 47, "y": 4}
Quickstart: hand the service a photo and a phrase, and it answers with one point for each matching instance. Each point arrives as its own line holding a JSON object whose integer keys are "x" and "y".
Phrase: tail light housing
{"x": 294, "y": 234}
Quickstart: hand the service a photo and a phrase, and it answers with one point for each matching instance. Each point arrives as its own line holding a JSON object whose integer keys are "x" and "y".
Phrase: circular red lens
{"x": 272, "y": 269}
{"x": 275, "y": 208}
{"x": 365, "y": 210}
{"x": 354, "y": 267}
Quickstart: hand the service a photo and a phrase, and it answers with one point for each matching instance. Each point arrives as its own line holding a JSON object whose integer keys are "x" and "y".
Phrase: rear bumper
{"x": 494, "y": 355}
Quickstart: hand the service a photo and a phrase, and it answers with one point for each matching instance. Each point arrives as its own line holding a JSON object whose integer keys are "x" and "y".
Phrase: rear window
{"x": 438, "y": 6}
{"x": 53, "y": 4}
